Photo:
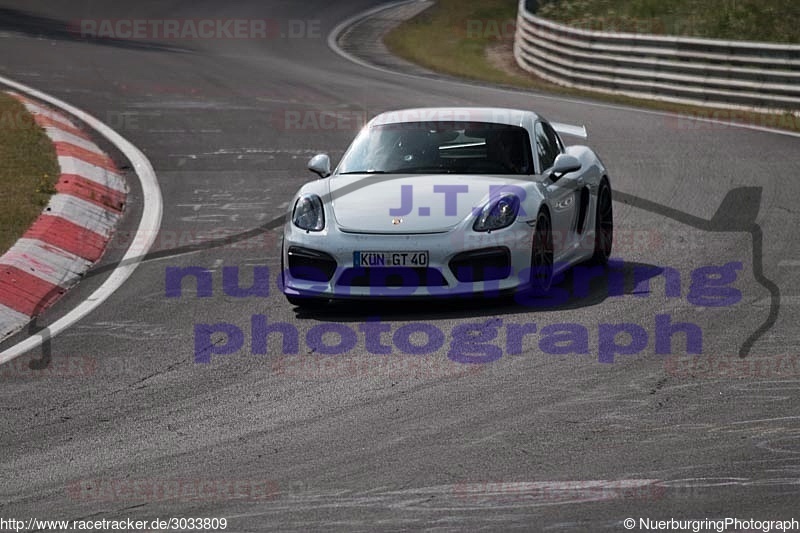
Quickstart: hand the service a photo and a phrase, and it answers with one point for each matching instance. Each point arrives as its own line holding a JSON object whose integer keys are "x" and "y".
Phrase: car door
{"x": 562, "y": 192}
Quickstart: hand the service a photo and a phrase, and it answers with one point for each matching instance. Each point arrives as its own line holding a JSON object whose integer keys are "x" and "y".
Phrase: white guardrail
{"x": 730, "y": 74}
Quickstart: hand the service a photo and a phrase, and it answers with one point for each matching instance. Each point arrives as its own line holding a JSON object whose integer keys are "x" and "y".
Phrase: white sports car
{"x": 447, "y": 202}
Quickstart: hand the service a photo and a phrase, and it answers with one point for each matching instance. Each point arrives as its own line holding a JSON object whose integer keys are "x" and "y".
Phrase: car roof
{"x": 493, "y": 115}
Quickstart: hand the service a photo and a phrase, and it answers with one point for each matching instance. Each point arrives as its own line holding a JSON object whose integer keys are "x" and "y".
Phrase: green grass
{"x": 453, "y": 36}
{"x": 28, "y": 170}
{"x": 748, "y": 20}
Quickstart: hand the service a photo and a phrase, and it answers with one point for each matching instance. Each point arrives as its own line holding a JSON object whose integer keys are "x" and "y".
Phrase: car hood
{"x": 415, "y": 203}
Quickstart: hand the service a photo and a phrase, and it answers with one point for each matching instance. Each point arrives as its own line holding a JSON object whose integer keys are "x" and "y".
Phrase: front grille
{"x": 487, "y": 264}
{"x": 311, "y": 265}
{"x": 392, "y": 277}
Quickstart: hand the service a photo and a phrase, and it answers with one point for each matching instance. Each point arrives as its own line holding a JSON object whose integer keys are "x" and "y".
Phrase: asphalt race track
{"x": 357, "y": 441}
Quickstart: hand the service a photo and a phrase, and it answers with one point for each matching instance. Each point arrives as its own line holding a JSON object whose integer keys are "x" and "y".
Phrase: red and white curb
{"x": 73, "y": 230}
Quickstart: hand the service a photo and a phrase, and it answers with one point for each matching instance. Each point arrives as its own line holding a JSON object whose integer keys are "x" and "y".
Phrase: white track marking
{"x": 146, "y": 232}
{"x": 12, "y": 318}
{"x": 51, "y": 264}
{"x": 83, "y": 213}
{"x": 103, "y": 176}
{"x": 61, "y": 136}
{"x": 333, "y": 45}
{"x": 39, "y": 110}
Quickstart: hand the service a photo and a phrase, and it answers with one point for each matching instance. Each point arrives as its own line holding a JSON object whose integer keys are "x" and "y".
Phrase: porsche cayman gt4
{"x": 437, "y": 202}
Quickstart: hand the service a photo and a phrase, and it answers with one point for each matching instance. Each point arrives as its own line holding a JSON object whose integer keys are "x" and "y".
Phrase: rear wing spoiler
{"x": 568, "y": 129}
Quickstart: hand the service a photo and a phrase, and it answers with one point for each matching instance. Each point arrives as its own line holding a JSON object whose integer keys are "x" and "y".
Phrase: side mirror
{"x": 320, "y": 164}
{"x": 564, "y": 164}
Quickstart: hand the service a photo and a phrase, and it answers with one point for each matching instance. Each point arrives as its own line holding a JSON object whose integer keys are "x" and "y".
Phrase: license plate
{"x": 389, "y": 259}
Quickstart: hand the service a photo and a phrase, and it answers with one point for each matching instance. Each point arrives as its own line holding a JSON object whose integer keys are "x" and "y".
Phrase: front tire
{"x": 603, "y": 225}
{"x": 542, "y": 254}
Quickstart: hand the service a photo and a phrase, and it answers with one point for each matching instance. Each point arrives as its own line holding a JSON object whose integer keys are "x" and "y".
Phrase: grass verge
{"x": 473, "y": 39}
{"x": 28, "y": 170}
{"x": 736, "y": 20}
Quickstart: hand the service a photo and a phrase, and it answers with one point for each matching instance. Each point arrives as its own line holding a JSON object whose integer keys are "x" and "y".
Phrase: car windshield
{"x": 441, "y": 147}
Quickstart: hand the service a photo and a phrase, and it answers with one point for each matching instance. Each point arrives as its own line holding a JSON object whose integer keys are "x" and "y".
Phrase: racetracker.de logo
{"x": 196, "y": 29}
{"x": 308, "y": 119}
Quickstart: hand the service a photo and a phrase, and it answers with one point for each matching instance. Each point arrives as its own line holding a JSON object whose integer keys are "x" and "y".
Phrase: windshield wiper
{"x": 433, "y": 170}
{"x": 368, "y": 172}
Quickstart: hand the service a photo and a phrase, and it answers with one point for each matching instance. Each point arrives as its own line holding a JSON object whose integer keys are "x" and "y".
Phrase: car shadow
{"x": 579, "y": 287}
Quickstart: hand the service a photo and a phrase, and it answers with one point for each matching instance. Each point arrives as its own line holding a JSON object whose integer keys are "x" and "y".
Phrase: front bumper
{"x": 462, "y": 262}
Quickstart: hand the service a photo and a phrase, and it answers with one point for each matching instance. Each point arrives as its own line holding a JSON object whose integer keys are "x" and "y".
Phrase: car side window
{"x": 553, "y": 136}
{"x": 547, "y": 145}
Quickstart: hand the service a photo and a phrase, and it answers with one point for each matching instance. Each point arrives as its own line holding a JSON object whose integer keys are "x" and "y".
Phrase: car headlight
{"x": 498, "y": 213}
{"x": 308, "y": 213}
